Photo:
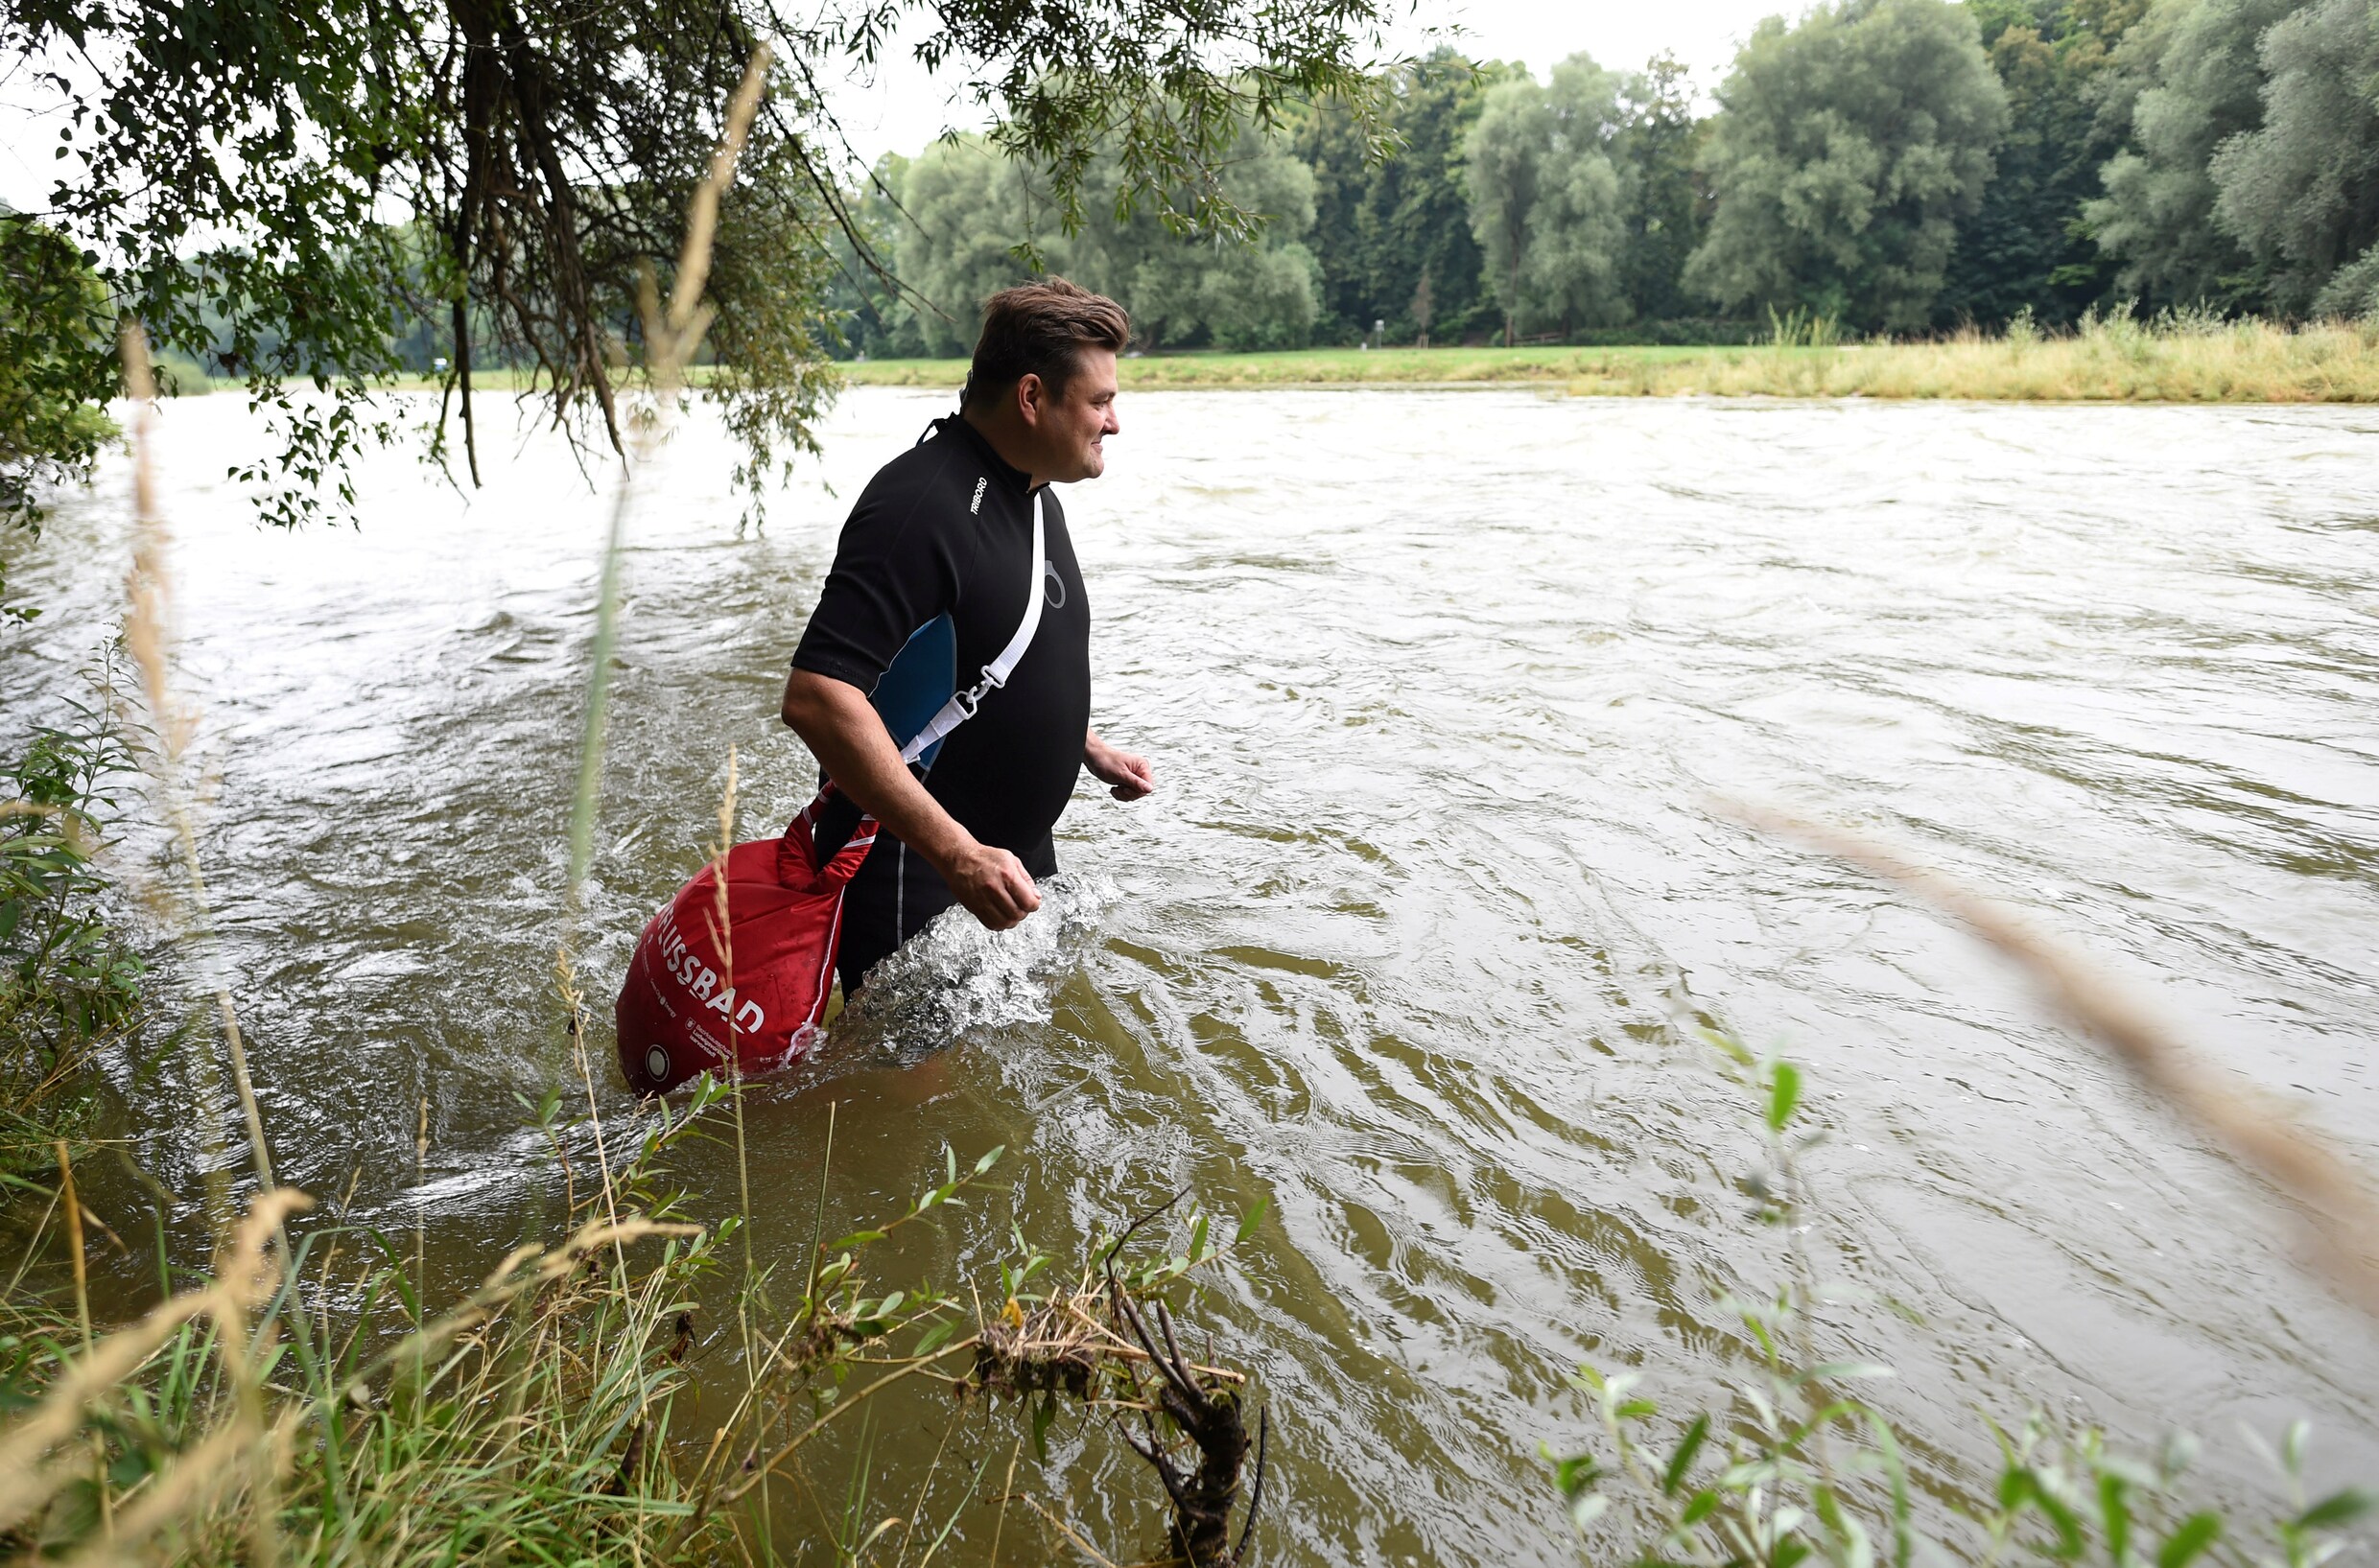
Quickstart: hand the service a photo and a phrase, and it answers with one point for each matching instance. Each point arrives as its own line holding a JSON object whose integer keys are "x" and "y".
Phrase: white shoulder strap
{"x": 962, "y": 704}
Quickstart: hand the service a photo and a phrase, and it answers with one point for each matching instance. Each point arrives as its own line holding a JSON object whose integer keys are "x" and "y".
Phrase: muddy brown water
{"x": 1440, "y": 687}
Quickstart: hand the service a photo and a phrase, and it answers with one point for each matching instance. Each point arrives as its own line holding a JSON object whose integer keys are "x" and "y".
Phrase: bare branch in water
{"x": 1210, "y": 1417}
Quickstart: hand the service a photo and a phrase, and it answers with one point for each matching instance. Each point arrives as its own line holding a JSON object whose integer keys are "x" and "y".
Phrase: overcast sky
{"x": 901, "y": 108}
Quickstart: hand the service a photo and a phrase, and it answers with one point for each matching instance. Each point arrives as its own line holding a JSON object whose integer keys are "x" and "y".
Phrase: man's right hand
{"x": 992, "y": 883}
{"x": 834, "y": 719}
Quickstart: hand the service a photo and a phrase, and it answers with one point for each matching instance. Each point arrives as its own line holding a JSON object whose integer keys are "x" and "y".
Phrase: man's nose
{"x": 1111, "y": 426}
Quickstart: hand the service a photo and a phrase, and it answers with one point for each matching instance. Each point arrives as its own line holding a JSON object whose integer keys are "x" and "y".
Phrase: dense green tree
{"x": 2026, "y": 248}
{"x": 1183, "y": 282}
{"x": 1665, "y": 206}
{"x": 972, "y": 221}
{"x": 868, "y": 308}
{"x": 1384, "y": 222}
{"x": 1579, "y": 228}
{"x": 250, "y": 173}
{"x": 2185, "y": 80}
{"x": 2301, "y": 192}
{"x": 1547, "y": 207}
{"x": 965, "y": 207}
{"x": 1507, "y": 154}
{"x": 1845, "y": 150}
{"x": 56, "y": 361}
{"x": 57, "y": 369}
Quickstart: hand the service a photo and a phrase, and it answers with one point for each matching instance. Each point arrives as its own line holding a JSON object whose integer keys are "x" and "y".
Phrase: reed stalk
{"x": 671, "y": 338}
{"x": 148, "y": 624}
{"x": 2322, "y": 1185}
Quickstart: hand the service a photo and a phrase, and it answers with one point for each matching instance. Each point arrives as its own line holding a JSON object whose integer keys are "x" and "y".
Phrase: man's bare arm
{"x": 833, "y": 720}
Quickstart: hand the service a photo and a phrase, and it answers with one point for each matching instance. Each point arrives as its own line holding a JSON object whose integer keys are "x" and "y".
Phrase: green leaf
{"x": 2067, "y": 1523}
{"x": 2339, "y": 1508}
{"x": 1728, "y": 1045}
{"x": 1895, "y": 1469}
{"x": 1698, "y": 1507}
{"x": 1575, "y": 1474}
{"x": 856, "y": 1238}
{"x": 949, "y": 1162}
{"x": 1588, "y": 1508}
{"x": 937, "y": 1336}
{"x": 1042, "y": 1415}
{"x": 1681, "y": 1460}
{"x": 2114, "y": 1512}
{"x": 990, "y": 1159}
{"x": 1247, "y": 1223}
{"x": 1783, "y": 1094}
{"x": 2196, "y": 1533}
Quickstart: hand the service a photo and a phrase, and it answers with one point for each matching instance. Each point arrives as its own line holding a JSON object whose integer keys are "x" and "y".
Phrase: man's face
{"x": 1069, "y": 427}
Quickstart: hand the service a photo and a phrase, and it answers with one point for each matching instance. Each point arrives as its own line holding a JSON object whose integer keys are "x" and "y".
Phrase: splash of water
{"x": 956, "y": 978}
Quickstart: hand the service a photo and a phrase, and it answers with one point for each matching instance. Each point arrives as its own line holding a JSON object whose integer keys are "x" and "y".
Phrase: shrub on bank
{"x": 1801, "y": 1468}
{"x": 70, "y": 985}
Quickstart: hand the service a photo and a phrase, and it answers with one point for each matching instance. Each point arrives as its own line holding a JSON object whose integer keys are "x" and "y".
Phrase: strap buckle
{"x": 973, "y": 698}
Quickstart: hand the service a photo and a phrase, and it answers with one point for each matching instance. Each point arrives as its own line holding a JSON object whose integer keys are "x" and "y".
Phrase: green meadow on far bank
{"x": 2115, "y": 359}
{"x": 1322, "y": 366}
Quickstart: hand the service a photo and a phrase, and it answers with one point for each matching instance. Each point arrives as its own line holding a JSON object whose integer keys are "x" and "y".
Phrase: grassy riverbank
{"x": 631, "y": 1394}
{"x": 2118, "y": 360}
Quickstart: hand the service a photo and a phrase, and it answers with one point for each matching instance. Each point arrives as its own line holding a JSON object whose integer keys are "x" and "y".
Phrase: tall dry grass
{"x": 2111, "y": 359}
{"x": 554, "y": 1415}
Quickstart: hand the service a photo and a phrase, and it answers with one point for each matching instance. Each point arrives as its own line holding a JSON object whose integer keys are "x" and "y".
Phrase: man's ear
{"x": 1030, "y": 394}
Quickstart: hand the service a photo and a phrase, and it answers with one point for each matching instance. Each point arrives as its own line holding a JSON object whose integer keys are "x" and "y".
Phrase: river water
{"x": 1441, "y": 687}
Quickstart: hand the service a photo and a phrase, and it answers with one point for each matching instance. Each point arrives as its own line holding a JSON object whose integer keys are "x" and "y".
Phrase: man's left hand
{"x": 1127, "y": 777}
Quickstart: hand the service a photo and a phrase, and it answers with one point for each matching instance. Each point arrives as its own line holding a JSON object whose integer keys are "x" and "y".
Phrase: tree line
{"x": 1881, "y": 166}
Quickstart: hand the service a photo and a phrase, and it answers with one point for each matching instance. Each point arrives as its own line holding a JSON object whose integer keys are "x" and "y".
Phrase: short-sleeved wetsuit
{"x": 927, "y": 586}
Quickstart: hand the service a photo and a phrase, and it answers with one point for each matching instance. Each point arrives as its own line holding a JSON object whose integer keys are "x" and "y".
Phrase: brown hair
{"x": 1040, "y": 329}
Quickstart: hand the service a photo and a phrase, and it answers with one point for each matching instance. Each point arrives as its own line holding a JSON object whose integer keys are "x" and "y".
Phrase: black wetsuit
{"x": 931, "y": 574}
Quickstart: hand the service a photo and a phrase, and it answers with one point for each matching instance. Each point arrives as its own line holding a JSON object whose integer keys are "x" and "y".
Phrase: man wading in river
{"x": 927, "y": 590}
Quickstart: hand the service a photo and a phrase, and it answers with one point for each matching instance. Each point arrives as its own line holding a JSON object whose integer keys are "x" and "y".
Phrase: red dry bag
{"x": 692, "y": 997}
